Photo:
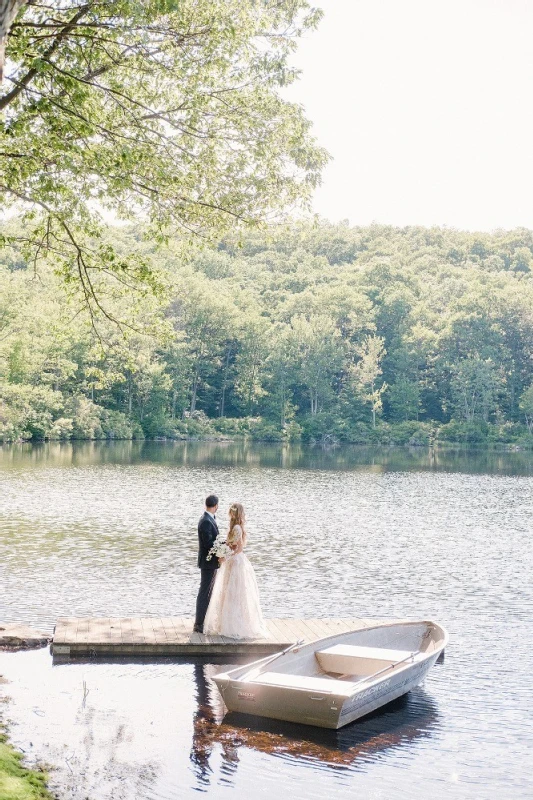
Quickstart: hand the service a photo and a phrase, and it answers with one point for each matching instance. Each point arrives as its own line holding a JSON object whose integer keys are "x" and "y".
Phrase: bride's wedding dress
{"x": 234, "y": 609}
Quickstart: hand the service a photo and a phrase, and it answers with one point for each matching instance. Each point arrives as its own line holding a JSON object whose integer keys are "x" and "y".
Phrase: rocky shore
{"x": 17, "y": 636}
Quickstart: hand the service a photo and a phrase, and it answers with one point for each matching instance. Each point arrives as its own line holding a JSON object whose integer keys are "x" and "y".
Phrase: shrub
{"x": 61, "y": 429}
{"x": 359, "y": 433}
{"x": 525, "y": 440}
{"x": 116, "y": 425}
{"x": 413, "y": 433}
{"x": 28, "y": 412}
{"x": 154, "y": 425}
{"x": 506, "y": 432}
{"x": 381, "y": 434}
{"x": 85, "y": 418}
{"x": 292, "y": 431}
{"x": 232, "y": 426}
{"x": 466, "y": 432}
{"x": 266, "y": 432}
{"x": 11, "y": 426}
{"x": 200, "y": 426}
{"x": 320, "y": 426}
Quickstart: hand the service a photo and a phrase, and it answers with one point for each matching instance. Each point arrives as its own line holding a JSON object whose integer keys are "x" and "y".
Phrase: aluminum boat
{"x": 333, "y": 681}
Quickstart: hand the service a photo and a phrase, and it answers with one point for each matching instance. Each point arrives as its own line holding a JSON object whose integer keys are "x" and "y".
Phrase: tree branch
{"x": 30, "y": 75}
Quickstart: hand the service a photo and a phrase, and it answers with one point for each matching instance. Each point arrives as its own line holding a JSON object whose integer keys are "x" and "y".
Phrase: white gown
{"x": 234, "y": 609}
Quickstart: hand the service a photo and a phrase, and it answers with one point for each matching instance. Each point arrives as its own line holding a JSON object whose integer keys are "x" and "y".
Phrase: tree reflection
{"x": 411, "y": 718}
{"x": 451, "y": 458}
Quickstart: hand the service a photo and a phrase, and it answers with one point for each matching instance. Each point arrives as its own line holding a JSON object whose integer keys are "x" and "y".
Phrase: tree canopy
{"x": 375, "y": 334}
{"x": 165, "y": 110}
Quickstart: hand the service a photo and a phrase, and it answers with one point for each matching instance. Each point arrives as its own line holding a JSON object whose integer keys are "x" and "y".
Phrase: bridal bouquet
{"x": 220, "y": 549}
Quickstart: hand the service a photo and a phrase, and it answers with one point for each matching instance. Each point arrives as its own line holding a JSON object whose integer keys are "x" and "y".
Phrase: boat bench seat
{"x": 305, "y": 682}
{"x": 348, "y": 659}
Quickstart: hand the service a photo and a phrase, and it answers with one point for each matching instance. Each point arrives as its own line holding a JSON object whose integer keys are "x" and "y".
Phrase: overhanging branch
{"x": 30, "y": 75}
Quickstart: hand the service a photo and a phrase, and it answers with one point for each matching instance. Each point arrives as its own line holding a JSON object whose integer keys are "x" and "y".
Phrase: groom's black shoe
{"x": 197, "y": 629}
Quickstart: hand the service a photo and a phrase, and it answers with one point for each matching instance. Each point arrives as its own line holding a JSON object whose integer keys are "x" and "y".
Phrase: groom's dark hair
{"x": 211, "y": 501}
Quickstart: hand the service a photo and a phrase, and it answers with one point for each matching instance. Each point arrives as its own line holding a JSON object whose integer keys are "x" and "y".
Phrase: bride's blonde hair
{"x": 236, "y": 517}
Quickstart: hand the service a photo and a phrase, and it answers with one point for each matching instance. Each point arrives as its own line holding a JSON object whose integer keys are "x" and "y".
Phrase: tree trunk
{"x": 8, "y": 11}
{"x": 250, "y": 393}
{"x": 225, "y": 383}
{"x": 194, "y": 391}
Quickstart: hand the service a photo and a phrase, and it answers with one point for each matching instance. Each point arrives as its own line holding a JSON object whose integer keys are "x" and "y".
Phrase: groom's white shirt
{"x": 211, "y": 515}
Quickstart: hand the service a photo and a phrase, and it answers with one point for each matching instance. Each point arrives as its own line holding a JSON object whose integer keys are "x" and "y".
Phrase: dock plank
{"x": 125, "y": 629}
{"x": 279, "y": 636}
{"x": 158, "y": 636}
{"x": 82, "y": 631}
{"x": 313, "y": 632}
{"x": 292, "y": 631}
{"x": 171, "y": 631}
{"x": 322, "y": 629}
{"x": 66, "y": 629}
{"x": 160, "y": 633}
{"x": 137, "y": 631}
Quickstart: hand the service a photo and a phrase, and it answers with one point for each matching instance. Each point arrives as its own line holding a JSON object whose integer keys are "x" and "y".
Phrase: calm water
{"x": 109, "y": 530}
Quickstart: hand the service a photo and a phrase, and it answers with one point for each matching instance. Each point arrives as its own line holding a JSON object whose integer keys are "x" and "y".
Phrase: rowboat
{"x": 334, "y": 681}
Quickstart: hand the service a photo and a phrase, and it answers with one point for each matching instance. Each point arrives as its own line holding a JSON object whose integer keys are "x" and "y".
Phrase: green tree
{"x": 367, "y": 371}
{"x": 291, "y": 325}
{"x": 168, "y": 109}
{"x": 317, "y": 352}
{"x": 251, "y": 360}
{"x": 526, "y": 405}
{"x": 404, "y": 399}
{"x": 204, "y": 320}
{"x": 475, "y": 383}
{"x": 279, "y": 402}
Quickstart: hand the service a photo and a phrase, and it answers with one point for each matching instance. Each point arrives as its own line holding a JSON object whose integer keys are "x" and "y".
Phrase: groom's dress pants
{"x": 207, "y": 581}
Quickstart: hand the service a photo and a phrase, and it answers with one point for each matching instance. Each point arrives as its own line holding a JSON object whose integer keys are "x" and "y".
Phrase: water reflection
{"x": 207, "y": 731}
{"x": 414, "y": 716}
{"x": 261, "y": 455}
{"x": 100, "y": 530}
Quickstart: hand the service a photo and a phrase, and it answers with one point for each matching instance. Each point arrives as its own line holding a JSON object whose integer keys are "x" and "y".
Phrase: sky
{"x": 426, "y": 107}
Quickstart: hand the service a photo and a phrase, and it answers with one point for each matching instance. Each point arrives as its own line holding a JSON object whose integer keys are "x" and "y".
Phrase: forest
{"x": 305, "y": 330}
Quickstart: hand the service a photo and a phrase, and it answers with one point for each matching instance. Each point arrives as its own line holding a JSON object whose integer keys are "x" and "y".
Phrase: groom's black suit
{"x": 207, "y": 533}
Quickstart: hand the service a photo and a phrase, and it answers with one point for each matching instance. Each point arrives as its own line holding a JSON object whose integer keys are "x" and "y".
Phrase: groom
{"x": 207, "y": 533}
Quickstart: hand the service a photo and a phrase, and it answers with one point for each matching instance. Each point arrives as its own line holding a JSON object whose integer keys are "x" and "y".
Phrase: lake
{"x": 96, "y": 529}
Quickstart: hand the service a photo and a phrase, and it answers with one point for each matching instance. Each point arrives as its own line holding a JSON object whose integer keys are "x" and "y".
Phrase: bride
{"x": 234, "y": 609}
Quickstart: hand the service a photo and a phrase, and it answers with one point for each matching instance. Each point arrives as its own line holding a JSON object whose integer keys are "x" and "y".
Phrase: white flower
{"x": 220, "y": 548}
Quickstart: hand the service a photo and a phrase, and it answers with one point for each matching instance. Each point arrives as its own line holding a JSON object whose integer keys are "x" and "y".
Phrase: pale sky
{"x": 427, "y": 109}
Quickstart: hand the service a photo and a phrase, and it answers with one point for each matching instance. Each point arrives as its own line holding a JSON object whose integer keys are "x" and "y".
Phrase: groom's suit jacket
{"x": 207, "y": 533}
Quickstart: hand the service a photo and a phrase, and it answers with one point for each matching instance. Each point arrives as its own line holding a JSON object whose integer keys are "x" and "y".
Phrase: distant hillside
{"x": 317, "y": 331}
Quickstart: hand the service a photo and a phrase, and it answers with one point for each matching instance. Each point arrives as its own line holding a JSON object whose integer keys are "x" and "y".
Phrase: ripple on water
{"x": 115, "y": 535}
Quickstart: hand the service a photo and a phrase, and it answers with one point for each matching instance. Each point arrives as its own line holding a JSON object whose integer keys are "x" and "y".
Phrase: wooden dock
{"x": 174, "y": 636}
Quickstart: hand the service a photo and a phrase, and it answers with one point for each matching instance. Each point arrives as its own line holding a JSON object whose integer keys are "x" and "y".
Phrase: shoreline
{"x": 505, "y": 447}
{"x": 18, "y": 782}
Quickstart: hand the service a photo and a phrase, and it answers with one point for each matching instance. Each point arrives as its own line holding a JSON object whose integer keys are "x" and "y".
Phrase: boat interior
{"x": 339, "y": 663}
